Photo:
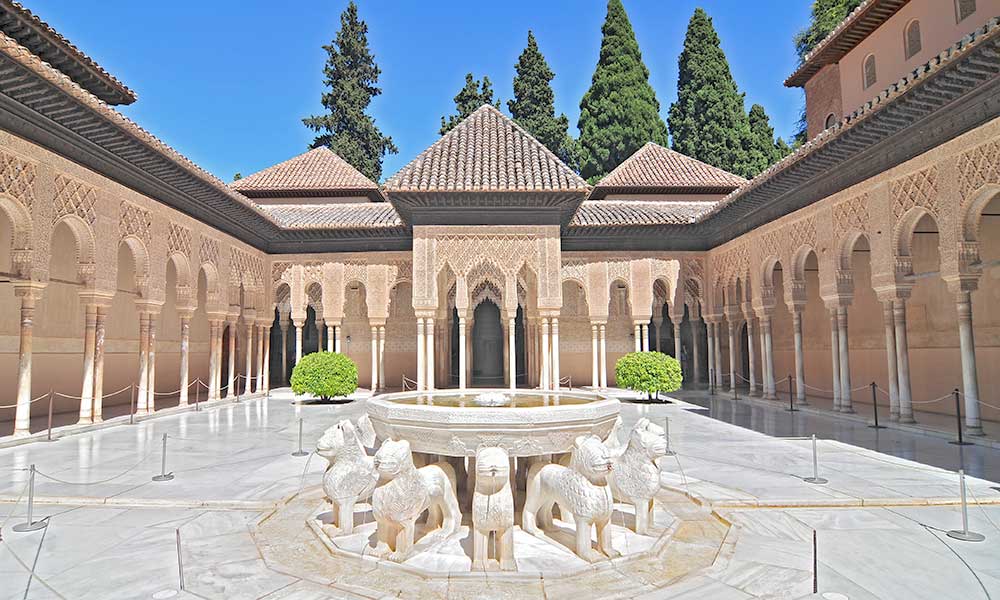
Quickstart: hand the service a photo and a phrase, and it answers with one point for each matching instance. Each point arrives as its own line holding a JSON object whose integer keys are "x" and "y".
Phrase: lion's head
{"x": 590, "y": 458}
{"x": 339, "y": 440}
{"x": 492, "y": 468}
{"x": 648, "y": 439}
{"x": 393, "y": 458}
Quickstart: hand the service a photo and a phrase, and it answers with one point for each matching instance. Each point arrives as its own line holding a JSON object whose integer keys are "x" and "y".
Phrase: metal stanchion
{"x": 965, "y": 535}
{"x": 791, "y": 397}
{"x": 31, "y": 524}
{"x": 815, "y": 477}
{"x": 815, "y": 565}
{"x": 875, "y": 408}
{"x": 131, "y": 404}
{"x": 666, "y": 436}
{"x": 958, "y": 421}
{"x": 300, "y": 451}
{"x": 48, "y": 433}
{"x": 163, "y": 476}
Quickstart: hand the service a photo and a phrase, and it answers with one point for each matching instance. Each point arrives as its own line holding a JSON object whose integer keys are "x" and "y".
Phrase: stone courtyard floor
{"x": 879, "y": 523}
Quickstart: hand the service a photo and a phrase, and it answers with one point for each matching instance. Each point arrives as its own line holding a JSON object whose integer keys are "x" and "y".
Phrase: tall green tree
{"x": 351, "y": 78}
{"x": 472, "y": 95}
{"x": 762, "y": 149}
{"x": 707, "y": 122}
{"x": 533, "y": 105}
{"x": 825, "y": 16}
{"x": 620, "y": 112}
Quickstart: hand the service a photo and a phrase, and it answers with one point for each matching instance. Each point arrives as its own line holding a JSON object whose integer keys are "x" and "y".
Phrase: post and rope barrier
{"x": 875, "y": 408}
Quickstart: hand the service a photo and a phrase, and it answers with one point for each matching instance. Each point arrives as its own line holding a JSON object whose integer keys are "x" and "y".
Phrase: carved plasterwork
{"x": 75, "y": 198}
{"x": 179, "y": 239}
{"x": 916, "y": 189}
{"x": 17, "y": 179}
{"x": 209, "y": 251}
{"x": 851, "y": 215}
{"x": 977, "y": 167}
{"x": 135, "y": 221}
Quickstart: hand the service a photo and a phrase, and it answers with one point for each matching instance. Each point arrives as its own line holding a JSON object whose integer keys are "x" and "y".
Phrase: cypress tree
{"x": 533, "y": 105}
{"x": 762, "y": 149}
{"x": 472, "y": 95}
{"x": 619, "y": 113}
{"x": 708, "y": 121}
{"x": 351, "y": 76}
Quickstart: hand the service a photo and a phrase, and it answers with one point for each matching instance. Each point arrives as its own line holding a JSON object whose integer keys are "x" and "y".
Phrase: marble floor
{"x": 879, "y": 523}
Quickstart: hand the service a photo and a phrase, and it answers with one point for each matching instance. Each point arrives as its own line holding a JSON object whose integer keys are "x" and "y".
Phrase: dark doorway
{"x": 487, "y": 346}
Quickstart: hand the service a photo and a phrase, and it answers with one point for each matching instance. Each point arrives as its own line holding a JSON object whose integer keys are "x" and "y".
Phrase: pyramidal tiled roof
{"x": 354, "y": 215}
{"x": 631, "y": 213}
{"x": 486, "y": 152}
{"x": 654, "y": 168}
{"x": 318, "y": 171}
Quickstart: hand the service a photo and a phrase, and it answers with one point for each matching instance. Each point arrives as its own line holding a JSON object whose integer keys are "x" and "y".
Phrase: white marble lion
{"x": 407, "y": 493}
{"x": 580, "y": 489}
{"x": 493, "y": 509}
{"x": 635, "y": 476}
{"x": 350, "y": 475}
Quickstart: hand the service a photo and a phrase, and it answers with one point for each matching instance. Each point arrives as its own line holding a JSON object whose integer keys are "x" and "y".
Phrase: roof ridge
{"x": 316, "y": 168}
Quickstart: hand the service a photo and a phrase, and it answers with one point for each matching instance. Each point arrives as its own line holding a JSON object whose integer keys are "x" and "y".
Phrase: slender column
{"x": 375, "y": 382}
{"x": 845, "y": 361}
{"x": 22, "y": 416}
{"x": 718, "y": 353}
{"x": 511, "y": 353}
{"x": 695, "y": 348}
{"x": 545, "y": 354}
{"x": 462, "y": 357}
{"x": 902, "y": 361}
{"x": 732, "y": 354}
{"x": 595, "y": 359}
{"x": 329, "y": 338}
{"x": 555, "y": 352}
{"x": 503, "y": 351}
{"x": 142, "y": 396}
{"x": 421, "y": 361}
{"x": 970, "y": 383}
{"x": 430, "y": 353}
{"x": 213, "y": 360}
{"x": 835, "y": 354}
{"x": 644, "y": 329}
{"x": 267, "y": 358}
{"x": 320, "y": 326}
{"x": 151, "y": 361}
{"x": 677, "y": 341}
{"x": 99, "y": 331}
{"x": 712, "y": 369}
{"x": 298, "y": 339}
{"x": 336, "y": 338}
{"x": 604, "y": 355}
{"x": 638, "y": 336}
{"x": 890, "y": 355}
{"x": 657, "y": 333}
{"x": 768, "y": 360}
{"x": 283, "y": 325}
{"x": 752, "y": 356}
{"x": 87, "y": 393}
{"x": 381, "y": 356}
{"x": 185, "y": 349}
{"x": 231, "y": 384}
{"x": 800, "y": 369}
{"x": 259, "y": 387}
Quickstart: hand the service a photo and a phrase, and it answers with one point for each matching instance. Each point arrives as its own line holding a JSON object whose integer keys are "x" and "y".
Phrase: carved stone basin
{"x": 456, "y": 422}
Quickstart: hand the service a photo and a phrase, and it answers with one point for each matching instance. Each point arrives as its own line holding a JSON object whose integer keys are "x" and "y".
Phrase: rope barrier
{"x": 945, "y": 397}
{"x": 86, "y": 483}
{"x": 32, "y": 401}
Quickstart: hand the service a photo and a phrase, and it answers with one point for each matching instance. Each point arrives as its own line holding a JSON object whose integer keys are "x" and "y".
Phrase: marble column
{"x": 545, "y": 354}
{"x": 375, "y": 382}
{"x": 768, "y": 358}
{"x": 231, "y": 384}
{"x": 677, "y": 341}
{"x": 800, "y": 368}
{"x": 845, "y": 361}
{"x": 752, "y": 357}
{"x": 657, "y": 333}
{"x": 554, "y": 330}
{"x": 902, "y": 361}
{"x": 185, "y": 317}
{"x": 712, "y": 370}
{"x": 835, "y": 355}
{"x": 329, "y": 338}
{"x": 718, "y": 353}
{"x": 22, "y": 415}
{"x": 259, "y": 387}
{"x": 87, "y": 392}
{"x": 970, "y": 381}
{"x": 604, "y": 354}
{"x": 151, "y": 362}
{"x": 505, "y": 356}
{"x": 421, "y": 359}
{"x": 320, "y": 326}
{"x": 595, "y": 359}
{"x": 283, "y": 325}
{"x": 298, "y": 339}
{"x": 142, "y": 394}
{"x": 336, "y": 338}
{"x": 381, "y": 356}
{"x": 637, "y": 332}
{"x": 462, "y": 358}
{"x": 267, "y": 358}
{"x": 695, "y": 349}
{"x": 430, "y": 352}
{"x": 732, "y": 354}
{"x": 100, "y": 327}
{"x": 512, "y": 353}
{"x": 890, "y": 355}
{"x": 213, "y": 359}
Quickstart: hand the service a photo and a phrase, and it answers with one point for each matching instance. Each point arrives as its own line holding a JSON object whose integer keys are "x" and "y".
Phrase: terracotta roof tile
{"x": 486, "y": 152}
{"x": 355, "y": 215}
{"x": 318, "y": 170}
{"x": 629, "y": 213}
{"x": 654, "y": 167}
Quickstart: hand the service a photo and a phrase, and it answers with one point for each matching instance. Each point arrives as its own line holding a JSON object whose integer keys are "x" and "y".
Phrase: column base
{"x": 770, "y": 397}
{"x": 85, "y": 421}
{"x": 975, "y": 430}
{"x": 20, "y": 433}
{"x": 907, "y": 420}
{"x": 847, "y": 410}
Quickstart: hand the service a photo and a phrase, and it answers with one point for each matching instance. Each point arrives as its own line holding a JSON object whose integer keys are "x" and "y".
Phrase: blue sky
{"x": 226, "y": 82}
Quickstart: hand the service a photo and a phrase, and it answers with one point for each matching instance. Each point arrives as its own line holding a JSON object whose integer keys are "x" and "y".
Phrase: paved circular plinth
{"x": 455, "y": 423}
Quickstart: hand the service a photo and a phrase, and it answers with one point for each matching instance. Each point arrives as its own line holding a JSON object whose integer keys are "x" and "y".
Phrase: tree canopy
{"x": 351, "y": 79}
{"x": 763, "y": 150}
{"x": 533, "y": 104}
{"x": 473, "y": 94}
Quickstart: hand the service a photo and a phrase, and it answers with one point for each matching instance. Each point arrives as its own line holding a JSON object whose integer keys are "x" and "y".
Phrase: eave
{"x": 487, "y": 207}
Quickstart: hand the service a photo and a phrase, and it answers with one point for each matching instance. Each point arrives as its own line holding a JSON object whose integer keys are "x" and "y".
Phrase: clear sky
{"x": 226, "y": 82}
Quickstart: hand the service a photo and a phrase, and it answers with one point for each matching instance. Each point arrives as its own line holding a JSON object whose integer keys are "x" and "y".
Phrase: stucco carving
{"x": 17, "y": 179}
{"x": 75, "y": 198}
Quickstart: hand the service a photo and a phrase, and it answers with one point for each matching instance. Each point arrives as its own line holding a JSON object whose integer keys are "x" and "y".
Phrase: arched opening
{"x": 575, "y": 352}
{"x": 869, "y": 75}
{"x": 400, "y": 357}
{"x": 282, "y": 337}
{"x": 986, "y": 308}
{"x": 911, "y": 39}
{"x": 487, "y": 345}
{"x": 831, "y": 120}
{"x": 620, "y": 333}
{"x": 356, "y": 340}
{"x": 314, "y": 331}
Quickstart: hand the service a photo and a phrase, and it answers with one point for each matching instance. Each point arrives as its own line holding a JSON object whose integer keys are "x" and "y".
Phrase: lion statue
{"x": 350, "y": 475}
{"x": 493, "y": 509}
{"x": 581, "y": 489}
{"x": 635, "y": 476}
{"x": 407, "y": 493}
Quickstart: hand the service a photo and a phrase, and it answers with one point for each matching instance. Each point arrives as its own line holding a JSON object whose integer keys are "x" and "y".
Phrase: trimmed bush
{"x": 650, "y": 372}
{"x": 325, "y": 374}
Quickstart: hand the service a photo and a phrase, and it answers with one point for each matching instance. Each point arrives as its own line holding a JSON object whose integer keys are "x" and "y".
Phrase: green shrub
{"x": 325, "y": 374}
{"x": 650, "y": 372}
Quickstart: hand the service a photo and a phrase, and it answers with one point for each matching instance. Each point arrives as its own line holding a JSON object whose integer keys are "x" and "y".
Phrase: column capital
{"x": 96, "y": 297}
{"x": 376, "y": 322}
{"x": 29, "y": 290}
{"x": 249, "y": 314}
{"x": 837, "y": 301}
{"x": 962, "y": 284}
{"x": 893, "y": 292}
{"x": 149, "y": 307}
{"x": 426, "y": 314}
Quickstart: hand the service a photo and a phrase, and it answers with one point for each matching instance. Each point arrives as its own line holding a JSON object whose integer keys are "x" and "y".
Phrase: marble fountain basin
{"x": 525, "y": 422}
